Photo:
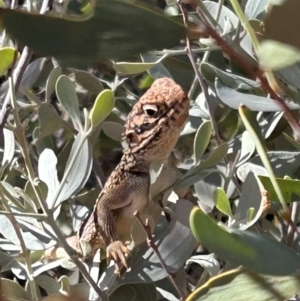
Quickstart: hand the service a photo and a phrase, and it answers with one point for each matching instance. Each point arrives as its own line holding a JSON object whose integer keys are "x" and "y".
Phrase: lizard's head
{"x": 155, "y": 122}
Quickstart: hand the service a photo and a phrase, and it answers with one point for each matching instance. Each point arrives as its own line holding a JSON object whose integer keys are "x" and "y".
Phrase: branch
{"x": 152, "y": 244}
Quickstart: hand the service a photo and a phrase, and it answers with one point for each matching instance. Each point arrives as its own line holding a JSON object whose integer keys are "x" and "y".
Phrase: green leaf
{"x": 12, "y": 291}
{"x": 117, "y": 29}
{"x": 124, "y": 68}
{"x": 215, "y": 156}
{"x": 256, "y": 252}
{"x": 273, "y": 55}
{"x": 48, "y": 284}
{"x": 236, "y": 283}
{"x": 6, "y": 58}
{"x": 287, "y": 186}
{"x": 103, "y": 106}
{"x": 292, "y": 141}
{"x": 65, "y": 91}
{"x": 222, "y": 202}
{"x": 201, "y": 140}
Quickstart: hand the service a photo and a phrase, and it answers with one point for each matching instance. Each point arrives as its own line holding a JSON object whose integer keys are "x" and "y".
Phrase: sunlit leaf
{"x": 103, "y": 106}
{"x": 222, "y": 202}
{"x": 273, "y": 55}
{"x": 6, "y": 58}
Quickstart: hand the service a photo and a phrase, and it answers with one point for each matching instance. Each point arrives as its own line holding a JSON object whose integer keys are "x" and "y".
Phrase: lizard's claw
{"x": 117, "y": 252}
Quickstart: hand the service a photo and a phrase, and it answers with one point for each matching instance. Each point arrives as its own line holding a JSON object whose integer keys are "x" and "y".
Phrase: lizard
{"x": 152, "y": 129}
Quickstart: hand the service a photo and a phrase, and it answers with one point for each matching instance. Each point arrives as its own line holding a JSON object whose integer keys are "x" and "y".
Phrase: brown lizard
{"x": 151, "y": 132}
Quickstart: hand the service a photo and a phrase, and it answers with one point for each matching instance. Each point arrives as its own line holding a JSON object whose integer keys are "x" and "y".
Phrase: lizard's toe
{"x": 118, "y": 252}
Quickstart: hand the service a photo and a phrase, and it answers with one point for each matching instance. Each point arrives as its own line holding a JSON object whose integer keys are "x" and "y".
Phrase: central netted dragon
{"x": 152, "y": 129}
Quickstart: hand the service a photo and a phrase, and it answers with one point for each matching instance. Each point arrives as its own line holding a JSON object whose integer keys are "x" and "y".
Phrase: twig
{"x": 202, "y": 83}
{"x": 152, "y": 244}
{"x": 34, "y": 215}
{"x": 254, "y": 72}
{"x": 181, "y": 52}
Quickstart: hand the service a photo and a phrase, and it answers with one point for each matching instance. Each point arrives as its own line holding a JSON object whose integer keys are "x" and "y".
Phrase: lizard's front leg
{"x": 115, "y": 249}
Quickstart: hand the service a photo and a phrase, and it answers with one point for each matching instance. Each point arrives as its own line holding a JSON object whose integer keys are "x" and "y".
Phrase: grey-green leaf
{"x": 65, "y": 91}
{"x": 235, "y": 99}
{"x": 88, "y": 81}
{"x": 201, "y": 140}
{"x": 80, "y": 169}
{"x": 51, "y": 81}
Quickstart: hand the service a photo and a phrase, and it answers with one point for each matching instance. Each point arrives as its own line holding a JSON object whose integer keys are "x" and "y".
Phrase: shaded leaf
{"x": 117, "y": 29}
{"x": 216, "y": 155}
{"x": 34, "y": 238}
{"x": 287, "y": 186}
{"x": 233, "y": 81}
{"x": 51, "y": 81}
{"x": 65, "y": 91}
{"x": 32, "y": 73}
{"x": 201, "y": 140}
{"x": 113, "y": 130}
{"x": 49, "y": 120}
{"x": 80, "y": 169}
{"x": 13, "y": 291}
{"x": 88, "y": 81}
{"x": 247, "y": 149}
{"x": 158, "y": 70}
{"x": 208, "y": 262}
{"x": 236, "y": 283}
{"x": 48, "y": 284}
{"x": 245, "y": 248}
{"x": 136, "y": 292}
{"x": 250, "y": 199}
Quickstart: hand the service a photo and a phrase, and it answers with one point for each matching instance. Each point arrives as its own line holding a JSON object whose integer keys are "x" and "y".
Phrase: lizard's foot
{"x": 118, "y": 252}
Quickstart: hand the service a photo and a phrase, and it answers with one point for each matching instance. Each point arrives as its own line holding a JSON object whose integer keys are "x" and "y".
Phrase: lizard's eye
{"x": 150, "y": 110}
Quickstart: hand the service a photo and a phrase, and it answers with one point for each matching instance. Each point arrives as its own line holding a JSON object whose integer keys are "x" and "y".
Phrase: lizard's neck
{"x": 130, "y": 163}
